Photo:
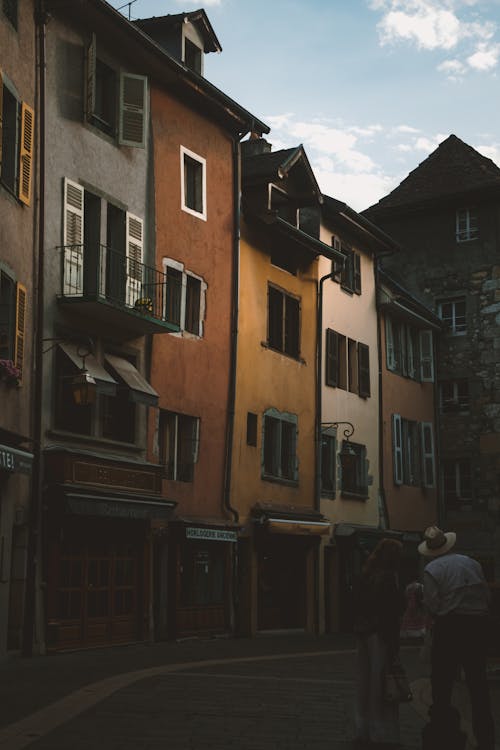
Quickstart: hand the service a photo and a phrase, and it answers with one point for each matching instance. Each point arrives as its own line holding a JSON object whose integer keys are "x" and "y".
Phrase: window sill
{"x": 353, "y": 495}
{"x": 94, "y": 440}
{"x": 266, "y": 345}
{"x": 280, "y": 480}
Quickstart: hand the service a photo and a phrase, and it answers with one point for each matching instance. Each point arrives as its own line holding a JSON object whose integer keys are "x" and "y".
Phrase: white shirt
{"x": 455, "y": 583}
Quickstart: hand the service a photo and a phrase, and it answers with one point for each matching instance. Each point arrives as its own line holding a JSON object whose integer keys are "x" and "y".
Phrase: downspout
{"x": 381, "y": 450}
{"x": 34, "y": 541}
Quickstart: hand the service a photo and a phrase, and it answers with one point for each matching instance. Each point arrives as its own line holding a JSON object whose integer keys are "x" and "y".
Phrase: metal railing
{"x": 100, "y": 272}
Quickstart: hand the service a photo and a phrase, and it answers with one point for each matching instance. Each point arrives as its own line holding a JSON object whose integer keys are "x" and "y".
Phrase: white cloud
{"x": 485, "y": 58}
{"x": 422, "y": 23}
{"x": 492, "y": 152}
{"x": 357, "y": 190}
{"x": 452, "y": 68}
{"x": 404, "y": 147}
{"x": 405, "y": 129}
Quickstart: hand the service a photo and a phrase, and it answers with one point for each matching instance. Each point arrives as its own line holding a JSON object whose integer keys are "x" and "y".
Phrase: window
{"x": 116, "y": 102}
{"x": 283, "y": 322}
{"x": 457, "y": 482}
{"x": 283, "y": 205}
{"x": 251, "y": 429}
{"x": 347, "y": 364}
{"x": 9, "y": 8}
{"x": 413, "y": 452}
{"x": 454, "y": 396}
{"x": 193, "y": 184}
{"x": 12, "y": 321}
{"x": 179, "y": 444}
{"x": 280, "y": 446}
{"x": 466, "y": 225}
{"x": 350, "y": 274}
{"x": 328, "y": 463}
{"x": 17, "y": 134}
{"x": 193, "y": 56}
{"x": 354, "y": 469}
{"x": 452, "y": 312}
{"x": 184, "y": 298}
{"x": 409, "y": 351}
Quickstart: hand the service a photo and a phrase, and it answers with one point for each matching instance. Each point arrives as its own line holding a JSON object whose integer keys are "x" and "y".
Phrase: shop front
{"x": 99, "y": 517}
{"x": 200, "y": 580}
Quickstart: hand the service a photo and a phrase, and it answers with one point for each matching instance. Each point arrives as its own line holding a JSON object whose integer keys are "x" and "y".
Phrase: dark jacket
{"x": 378, "y": 607}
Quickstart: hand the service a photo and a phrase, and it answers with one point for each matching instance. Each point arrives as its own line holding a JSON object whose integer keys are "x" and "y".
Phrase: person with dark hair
{"x": 457, "y": 597}
{"x": 378, "y": 608}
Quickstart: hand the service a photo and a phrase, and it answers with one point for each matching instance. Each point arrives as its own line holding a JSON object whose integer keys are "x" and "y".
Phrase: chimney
{"x": 255, "y": 145}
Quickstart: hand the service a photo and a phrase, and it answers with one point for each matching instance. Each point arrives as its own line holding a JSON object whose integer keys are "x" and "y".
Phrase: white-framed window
{"x": 453, "y": 312}
{"x": 185, "y": 298}
{"x": 413, "y": 452}
{"x": 454, "y": 396}
{"x": 456, "y": 476}
{"x": 193, "y": 184}
{"x": 409, "y": 351}
{"x": 179, "y": 445}
{"x": 466, "y": 225}
{"x": 279, "y": 446}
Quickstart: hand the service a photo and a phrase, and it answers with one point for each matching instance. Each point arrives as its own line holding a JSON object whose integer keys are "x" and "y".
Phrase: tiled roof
{"x": 266, "y": 165}
{"x": 454, "y": 167}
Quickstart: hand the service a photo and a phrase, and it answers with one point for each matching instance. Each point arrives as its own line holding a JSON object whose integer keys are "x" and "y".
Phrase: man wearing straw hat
{"x": 457, "y": 597}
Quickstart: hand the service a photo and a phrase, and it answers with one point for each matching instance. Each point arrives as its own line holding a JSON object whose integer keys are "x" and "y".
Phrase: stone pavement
{"x": 270, "y": 693}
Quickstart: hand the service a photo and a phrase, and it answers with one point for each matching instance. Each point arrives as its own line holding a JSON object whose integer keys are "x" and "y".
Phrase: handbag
{"x": 397, "y": 688}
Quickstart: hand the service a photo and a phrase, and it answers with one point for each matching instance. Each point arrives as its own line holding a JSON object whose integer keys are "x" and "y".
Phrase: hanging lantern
{"x": 84, "y": 388}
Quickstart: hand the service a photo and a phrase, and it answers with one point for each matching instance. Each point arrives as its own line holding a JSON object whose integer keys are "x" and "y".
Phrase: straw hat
{"x": 436, "y": 542}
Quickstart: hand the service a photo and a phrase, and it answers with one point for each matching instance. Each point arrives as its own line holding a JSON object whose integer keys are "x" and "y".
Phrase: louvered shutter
{"x": 331, "y": 359}
{"x": 20, "y": 331}
{"x": 426, "y": 357}
{"x": 135, "y": 245}
{"x": 357, "y": 273}
{"x": 364, "y": 370}
{"x": 292, "y": 326}
{"x": 26, "y": 153}
{"x": 91, "y": 77}
{"x": 337, "y": 264}
{"x": 133, "y": 110}
{"x": 397, "y": 449}
{"x": 1, "y": 118}
{"x": 73, "y": 238}
{"x": 389, "y": 345}
{"x": 428, "y": 472}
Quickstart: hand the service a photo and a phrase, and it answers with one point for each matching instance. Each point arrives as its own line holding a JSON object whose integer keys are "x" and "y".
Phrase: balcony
{"x": 115, "y": 290}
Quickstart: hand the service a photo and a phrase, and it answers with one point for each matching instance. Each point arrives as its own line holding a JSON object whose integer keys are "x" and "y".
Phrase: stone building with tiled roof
{"x": 446, "y": 214}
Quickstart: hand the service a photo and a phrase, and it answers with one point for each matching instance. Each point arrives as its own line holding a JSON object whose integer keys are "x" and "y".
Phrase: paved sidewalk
{"x": 273, "y": 693}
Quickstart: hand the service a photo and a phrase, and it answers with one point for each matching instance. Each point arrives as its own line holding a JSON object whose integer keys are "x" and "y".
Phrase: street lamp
{"x": 83, "y": 385}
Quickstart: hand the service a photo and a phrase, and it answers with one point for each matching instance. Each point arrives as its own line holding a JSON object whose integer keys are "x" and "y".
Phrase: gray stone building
{"x": 446, "y": 215}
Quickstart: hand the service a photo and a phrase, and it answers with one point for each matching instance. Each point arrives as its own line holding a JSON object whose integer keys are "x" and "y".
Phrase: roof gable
{"x": 273, "y": 166}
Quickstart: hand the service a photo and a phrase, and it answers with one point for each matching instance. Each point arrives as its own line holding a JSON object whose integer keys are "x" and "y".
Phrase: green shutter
{"x": 397, "y": 449}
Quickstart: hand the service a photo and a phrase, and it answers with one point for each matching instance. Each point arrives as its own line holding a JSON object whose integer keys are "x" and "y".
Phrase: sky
{"x": 369, "y": 87}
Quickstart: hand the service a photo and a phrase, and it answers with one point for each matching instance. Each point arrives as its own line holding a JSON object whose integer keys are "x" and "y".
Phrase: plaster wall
{"x": 268, "y": 379}
{"x": 191, "y": 373}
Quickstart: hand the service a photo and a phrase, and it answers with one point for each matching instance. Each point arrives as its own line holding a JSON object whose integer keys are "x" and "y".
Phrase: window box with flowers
{"x": 9, "y": 373}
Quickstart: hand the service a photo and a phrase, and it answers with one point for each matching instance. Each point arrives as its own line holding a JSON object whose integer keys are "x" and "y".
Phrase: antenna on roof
{"x": 125, "y": 5}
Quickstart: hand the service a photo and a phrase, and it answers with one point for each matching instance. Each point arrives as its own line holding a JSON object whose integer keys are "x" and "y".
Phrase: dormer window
{"x": 193, "y": 56}
{"x": 280, "y": 202}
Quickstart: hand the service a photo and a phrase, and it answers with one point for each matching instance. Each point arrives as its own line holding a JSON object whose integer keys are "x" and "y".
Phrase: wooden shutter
{"x": 292, "y": 326}
{"x": 428, "y": 471}
{"x": 1, "y": 118}
{"x": 134, "y": 251}
{"x": 133, "y": 110}
{"x": 426, "y": 357}
{"x": 73, "y": 237}
{"x": 357, "y": 273}
{"x": 91, "y": 77}
{"x": 20, "y": 328}
{"x": 275, "y": 313}
{"x": 364, "y": 370}
{"x": 397, "y": 449}
{"x": 26, "y": 153}
{"x": 331, "y": 359}
{"x": 389, "y": 344}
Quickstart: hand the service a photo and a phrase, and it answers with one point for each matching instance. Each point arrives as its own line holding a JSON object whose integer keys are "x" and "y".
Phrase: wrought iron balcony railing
{"x": 105, "y": 275}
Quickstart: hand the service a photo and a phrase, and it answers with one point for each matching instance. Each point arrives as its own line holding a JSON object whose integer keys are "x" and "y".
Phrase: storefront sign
{"x": 12, "y": 459}
{"x": 213, "y": 535}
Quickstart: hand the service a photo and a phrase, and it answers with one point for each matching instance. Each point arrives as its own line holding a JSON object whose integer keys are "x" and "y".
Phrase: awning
{"x": 82, "y": 504}
{"x": 12, "y": 460}
{"x": 305, "y": 528}
{"x": 106, "y": 384}
{"x": 141, "y": 391}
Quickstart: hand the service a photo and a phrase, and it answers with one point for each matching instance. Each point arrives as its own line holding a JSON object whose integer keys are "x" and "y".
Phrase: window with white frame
{"x": 409, "y": 351}
{"x": 453, "y": 313}
{"x": 280, "y": 446}
{"x": 193, "y": 183}
{"x": 354, "y": 470}
{"x": 184, "y": 298}
{"x": 413, "y": 452}
{"x": 179, "y": 445}
{"x": 466, "y": 225}
{"x": 456, "y": 478}
{"x": 454, "y": 396}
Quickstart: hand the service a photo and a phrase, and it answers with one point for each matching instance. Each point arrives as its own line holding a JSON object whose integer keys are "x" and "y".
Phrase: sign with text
{"x": 12, "y": 459}
{"x": 212, "y": 535}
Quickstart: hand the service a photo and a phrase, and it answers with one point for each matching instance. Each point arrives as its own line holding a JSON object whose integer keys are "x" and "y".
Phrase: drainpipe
{"x": 34, "y": 542}
{"x": 381, "y": 451}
